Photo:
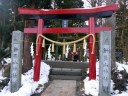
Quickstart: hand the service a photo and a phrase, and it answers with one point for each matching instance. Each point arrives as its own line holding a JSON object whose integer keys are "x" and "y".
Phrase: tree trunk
{"x": 27, "y": 58}
{"x": 112, "y": 23}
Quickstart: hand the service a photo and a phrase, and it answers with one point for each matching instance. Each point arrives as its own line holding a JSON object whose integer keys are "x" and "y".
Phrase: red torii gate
{"x": 77, "y": 13}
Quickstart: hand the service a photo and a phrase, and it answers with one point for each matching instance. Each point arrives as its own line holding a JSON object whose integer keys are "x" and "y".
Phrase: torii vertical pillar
{"x": 92, "y": 57}
{"x": 39, "y": 51}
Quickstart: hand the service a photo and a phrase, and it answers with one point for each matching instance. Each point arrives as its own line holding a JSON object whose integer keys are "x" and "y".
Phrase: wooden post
{"x": 39, "y": 51}
{"x": 16, "y": 61}
{"x": 63, "y": 55}
{"x": 105, "y": 63}
{"x": 64, "y": 25}
{"x": 92, "y": 57}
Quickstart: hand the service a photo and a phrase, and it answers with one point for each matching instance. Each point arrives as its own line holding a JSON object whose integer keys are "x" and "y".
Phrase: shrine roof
{"x": 74, "y": 13}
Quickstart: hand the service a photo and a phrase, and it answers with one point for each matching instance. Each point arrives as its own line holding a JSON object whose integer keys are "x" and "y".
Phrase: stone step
{"x": 67, "y": 64}
{"x": 66, "y": 71}
{"x": 65, "y": 77}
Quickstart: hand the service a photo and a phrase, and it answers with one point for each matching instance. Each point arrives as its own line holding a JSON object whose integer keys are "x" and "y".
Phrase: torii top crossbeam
{"x": 82, "y": 14}
{"x": 75, "y": 13}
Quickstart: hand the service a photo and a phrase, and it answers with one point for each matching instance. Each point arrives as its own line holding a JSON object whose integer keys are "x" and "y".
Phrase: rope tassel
{"x": 63, "y": 49}
{"x": 74, "y": 48}
{"x": 37, "y": 44}
{"x": 43, "y": 44}
{"x": 52, "y": 47}
{"x": 84, "y": 43}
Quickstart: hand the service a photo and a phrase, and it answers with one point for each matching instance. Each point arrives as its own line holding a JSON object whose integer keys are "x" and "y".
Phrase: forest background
{"x": 11, "y": 21}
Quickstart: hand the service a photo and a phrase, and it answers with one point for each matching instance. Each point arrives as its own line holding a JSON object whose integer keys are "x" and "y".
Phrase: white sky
{"x": 86, "y": 4}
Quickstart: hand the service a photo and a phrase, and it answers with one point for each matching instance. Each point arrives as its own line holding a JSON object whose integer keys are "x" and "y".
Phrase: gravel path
{"x": 61, "y": 88}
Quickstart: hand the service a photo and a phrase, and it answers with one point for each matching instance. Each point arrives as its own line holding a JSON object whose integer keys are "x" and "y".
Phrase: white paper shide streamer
{"x": 67, "y": 51}
{"x": 49, "y": 53}
{"x": 32, "y": 50}
{"x": 85, "y": 48}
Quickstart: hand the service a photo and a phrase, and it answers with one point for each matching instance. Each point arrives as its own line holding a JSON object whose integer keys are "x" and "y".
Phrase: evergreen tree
{"x": 122, "y": 28}
{"x": 64, "y": 4}
{"x": 27, "y": 58}
{"x": 45, "y": 4}
{"x": 10, "y": 20}
{"x": 5, "y": 24}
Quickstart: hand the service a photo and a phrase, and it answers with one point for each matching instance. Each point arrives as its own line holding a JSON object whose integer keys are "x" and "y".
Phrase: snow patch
{"x": 1, "y": 77}
{"x": 122, "y": 94}
{"x": 28, "y": 85}
{"x": 91, "y": 87}
{"x": 7, "y": 60}
{"x": 121, "y": 67}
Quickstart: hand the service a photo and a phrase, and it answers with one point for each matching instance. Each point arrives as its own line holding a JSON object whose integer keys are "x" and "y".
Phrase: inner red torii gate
{"x": 77, "y": 13}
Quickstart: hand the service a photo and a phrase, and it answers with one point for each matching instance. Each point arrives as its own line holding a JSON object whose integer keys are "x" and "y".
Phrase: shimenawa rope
{"x": 64, "y": 43}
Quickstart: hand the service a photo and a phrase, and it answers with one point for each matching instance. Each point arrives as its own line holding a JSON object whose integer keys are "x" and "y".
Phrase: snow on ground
{"x": 28, "y": 85}
{"x": 1, "y": 77}
{"x": 121, "y": 67}
{"x": 7, "y": 60}
{"x": 92, "y": 86}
